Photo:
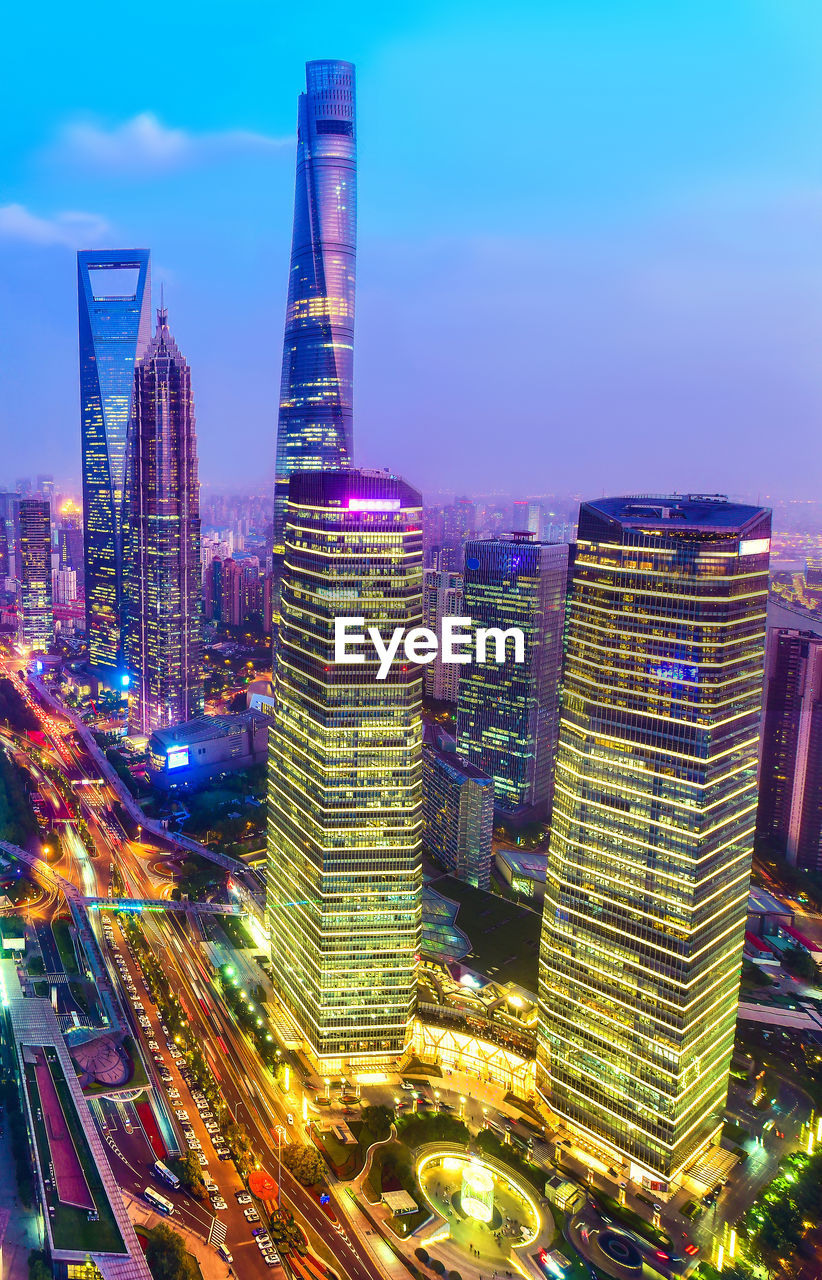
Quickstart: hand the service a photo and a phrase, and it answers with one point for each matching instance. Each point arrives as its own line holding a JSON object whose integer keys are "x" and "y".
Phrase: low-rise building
{"x": 524, "y": 872}
{"x": 184, "y": 755}
{"x": 457, "y": 814}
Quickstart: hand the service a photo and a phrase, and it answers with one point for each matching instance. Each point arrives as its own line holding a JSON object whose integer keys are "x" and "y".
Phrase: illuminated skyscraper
{"x": 344, "y": 779}
{"x": 114, "y": 302}
{"x": 35, "y": 621}
{"x": 315, "y": 423}
{"x": 653, "y": 821}
{"x": 790, "y": 776}
{"x": 508, "y": 713}
{"x": 162, "y": 575}
{"x": 441, "y": 598}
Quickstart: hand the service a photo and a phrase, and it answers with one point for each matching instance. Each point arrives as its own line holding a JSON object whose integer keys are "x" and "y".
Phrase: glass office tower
{"x": 344, "y": 778}
{"x": 508, "y": 713}
{"x": 35, "y": 620}
{"x": 653, "y": 822}
{"x": 114, "y": 303}
{"x": 162, "y": 581}
{"x": 316, "y": 393}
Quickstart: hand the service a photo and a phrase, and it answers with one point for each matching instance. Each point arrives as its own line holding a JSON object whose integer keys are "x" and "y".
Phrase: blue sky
{"x": 589, "y": 236}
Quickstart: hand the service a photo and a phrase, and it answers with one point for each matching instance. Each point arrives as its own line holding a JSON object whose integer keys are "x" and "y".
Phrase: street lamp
{"x": 280, "y": 1133}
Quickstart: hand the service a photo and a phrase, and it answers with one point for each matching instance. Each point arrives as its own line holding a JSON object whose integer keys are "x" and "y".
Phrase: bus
{"x": 165, "y": 1173}
{"x": 159, "y": 1202}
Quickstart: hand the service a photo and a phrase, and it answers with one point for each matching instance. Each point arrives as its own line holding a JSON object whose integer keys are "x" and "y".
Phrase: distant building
{"x": 70, "y": 537}
{"x": 185, "y": 755}
{"x": 36, "y": 621}
{"x": 115, "y": 328}
{"x": 441, "y": 598}
{"x": 64, "y": 586}
{"x": 790, "y": 773}
{"x": 508, "y": 713}
{"x": 457, "y": 814}
{"x": 315, "y": 428}
{"x": 161, "y": 582}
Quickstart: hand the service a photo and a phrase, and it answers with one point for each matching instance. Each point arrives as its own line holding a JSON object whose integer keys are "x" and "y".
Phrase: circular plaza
{"x": 486, "y": 1211}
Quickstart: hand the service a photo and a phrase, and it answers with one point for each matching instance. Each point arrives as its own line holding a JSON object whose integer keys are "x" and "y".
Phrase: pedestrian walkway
{"x": 212, "y": 1265}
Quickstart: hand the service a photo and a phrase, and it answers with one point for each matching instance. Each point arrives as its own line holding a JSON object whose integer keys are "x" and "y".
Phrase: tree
{"x": 191, "y": 1175}
{"x": 422, "y": 1254}
{"x": 437, "y": 1266}
{"x": 39, "y": 1268}
{"x": 304, "y": 1162}
{"x": 377, "y": 1121}
{"x": 167, "y": 1258}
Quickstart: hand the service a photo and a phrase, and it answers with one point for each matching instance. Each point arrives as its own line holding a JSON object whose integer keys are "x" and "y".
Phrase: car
{"x": 188, "y": 1132}
{"x": 153, "y": 1046}
{"x": 222, "y": 1153}
{"x": 194, "y": 1144}
{"x": 224, "y": 1254}
{"x": 202, "y": 1159}
{"x": 406, "y": 1086}
{"x": 159, "y": 1059}
{"x": 260, "y": 1233}
{"x": 271, "y": 1259}
{"x": 289, "y": 1118}
{"x": 174, "y": 1094}
{"x": 218, "y": 1203}
{"x": 243, "y": 1197}
{"x": 181, "y": 1113}
{"x": 211, "y": 1126}
{"x": 165, "y": 1030}
{"x": 251, "y": 1215}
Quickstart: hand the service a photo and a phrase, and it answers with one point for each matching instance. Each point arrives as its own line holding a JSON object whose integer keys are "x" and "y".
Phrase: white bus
{"x": 159, "y": 1202}
{"x": 165, "y": 1173}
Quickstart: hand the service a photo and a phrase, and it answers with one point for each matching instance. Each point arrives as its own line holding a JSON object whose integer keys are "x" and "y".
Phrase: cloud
{"x": 144, "y": 145}
{"x": 72, "y": 229}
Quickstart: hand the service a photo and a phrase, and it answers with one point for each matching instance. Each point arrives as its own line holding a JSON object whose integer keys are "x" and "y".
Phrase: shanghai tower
{"x": 315, "y": 421}
{"x": 115, "y": 327}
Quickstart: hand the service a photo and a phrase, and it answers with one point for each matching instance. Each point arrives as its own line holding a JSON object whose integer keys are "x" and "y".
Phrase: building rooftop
{"x": 503, "y": 935}
{"x": 527, "y": 864}
{"x": 678, "y": 512}
{"x": 205, "y": 728}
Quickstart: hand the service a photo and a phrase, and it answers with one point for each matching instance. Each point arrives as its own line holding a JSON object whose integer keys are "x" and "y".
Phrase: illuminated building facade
{"x": 35, "y": 620}
{"x": 316, "y": 393}
{"x": 790, "y": 778}
{"x": 457, "y": 813}
{"x": 653, "y": 821}
{"x": 162, "y": 576}
{"x": 114, "y": 307}
{"x": 508, "y": 713}
{"x": 344, "y": 779}
{"x": 442, "y": 598}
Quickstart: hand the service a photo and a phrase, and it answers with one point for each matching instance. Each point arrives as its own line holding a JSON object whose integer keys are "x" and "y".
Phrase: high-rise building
{"x": 64, "y": 586}
{"x": 70, "y": 536}
{"x": 35, "y": 619}
{"x": 162, "y": 587}
{"x": 115, "y": 328}
{"x": 344, "y": 778}
{"x": 442, "y": 598}
{"x": 790, "y": 775}
{"x": 508, "y": 713}
{"x": 316, "y": 393}
{"x": 653, "y": 821}
{"x": 457, "y": 812}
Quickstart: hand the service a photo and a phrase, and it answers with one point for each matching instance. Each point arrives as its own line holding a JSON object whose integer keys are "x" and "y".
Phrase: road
{"x": 246, "y": 1084}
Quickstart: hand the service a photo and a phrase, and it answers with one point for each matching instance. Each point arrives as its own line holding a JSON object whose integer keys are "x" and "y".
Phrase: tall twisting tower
{"x": 316, "y": 394}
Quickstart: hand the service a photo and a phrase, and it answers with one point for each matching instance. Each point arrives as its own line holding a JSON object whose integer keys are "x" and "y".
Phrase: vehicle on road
{"x": 243, "y": 1197}
{"x": 166, "y": 1174}
{"x": 159, "y": 1202}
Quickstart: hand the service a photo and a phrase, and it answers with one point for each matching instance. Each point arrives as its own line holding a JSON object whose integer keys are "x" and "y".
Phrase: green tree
{"x": 191, "y": 1175}
{"x": 304, "y": 1162}
{"x": 167, "y": 1258}
{"x": 39, "y": 1266}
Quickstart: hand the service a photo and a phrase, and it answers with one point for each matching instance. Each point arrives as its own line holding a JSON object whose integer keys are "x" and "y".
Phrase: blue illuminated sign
{"x": 125, "y": 679}
{"x": 177, "y": 757}
{"x": 675, "y": 671}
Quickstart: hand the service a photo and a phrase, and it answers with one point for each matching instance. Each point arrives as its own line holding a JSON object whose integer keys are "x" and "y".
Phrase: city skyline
{"x": 588, "y": 297}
